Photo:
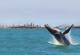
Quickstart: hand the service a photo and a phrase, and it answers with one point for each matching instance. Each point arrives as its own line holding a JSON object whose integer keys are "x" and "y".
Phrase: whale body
{"x": 60, "y": 37}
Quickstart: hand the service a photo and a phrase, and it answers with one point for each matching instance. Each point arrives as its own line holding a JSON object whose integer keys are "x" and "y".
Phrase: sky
{"x": 53, "y": 12}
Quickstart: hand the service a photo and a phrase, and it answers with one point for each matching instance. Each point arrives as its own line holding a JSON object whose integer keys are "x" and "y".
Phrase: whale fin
{"x": 52, "y": 31}
{"x": 66, "y": 31}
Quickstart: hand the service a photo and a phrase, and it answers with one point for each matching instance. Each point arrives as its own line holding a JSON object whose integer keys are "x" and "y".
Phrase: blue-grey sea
{"x": 35, "y": 42}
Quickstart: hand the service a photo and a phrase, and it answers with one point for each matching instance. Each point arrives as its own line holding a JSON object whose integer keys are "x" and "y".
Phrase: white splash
{"x": 71, "y": 39}
{"x": 68, "y": 36}
{"x": 54, "y": 41}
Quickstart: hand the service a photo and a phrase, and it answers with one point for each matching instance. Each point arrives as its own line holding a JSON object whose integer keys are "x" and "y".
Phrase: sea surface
{"x": 35, "y": 42}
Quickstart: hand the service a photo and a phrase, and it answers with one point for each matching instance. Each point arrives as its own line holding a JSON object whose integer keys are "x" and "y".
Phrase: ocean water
{"x": 35, "y": 42}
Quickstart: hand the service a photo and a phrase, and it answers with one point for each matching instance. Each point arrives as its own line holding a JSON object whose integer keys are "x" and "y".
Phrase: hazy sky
{"x": 53, "y": 12}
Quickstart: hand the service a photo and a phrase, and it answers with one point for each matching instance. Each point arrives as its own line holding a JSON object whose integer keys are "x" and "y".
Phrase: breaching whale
{"x": 60, "y": 37}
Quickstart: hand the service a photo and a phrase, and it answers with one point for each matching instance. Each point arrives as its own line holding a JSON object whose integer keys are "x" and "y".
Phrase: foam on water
{"x": 54, "y": 41}
{"x": 71, "y": 39}
{"x": 68, "y": 36}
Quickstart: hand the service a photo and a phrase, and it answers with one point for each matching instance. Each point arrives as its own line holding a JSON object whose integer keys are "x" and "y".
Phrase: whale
{"x": 59, "y": 36}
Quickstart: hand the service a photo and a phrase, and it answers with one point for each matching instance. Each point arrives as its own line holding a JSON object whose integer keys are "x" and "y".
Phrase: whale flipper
{"x": 66, "y": 31}
{"x": 52, "y": 31}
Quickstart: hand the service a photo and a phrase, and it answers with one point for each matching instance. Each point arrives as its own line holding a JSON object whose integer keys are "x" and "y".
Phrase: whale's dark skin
{"x": 60, "y": 37}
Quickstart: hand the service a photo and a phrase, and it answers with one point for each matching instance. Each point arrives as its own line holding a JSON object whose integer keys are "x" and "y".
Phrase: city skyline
{"x": 41, "y": 21}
